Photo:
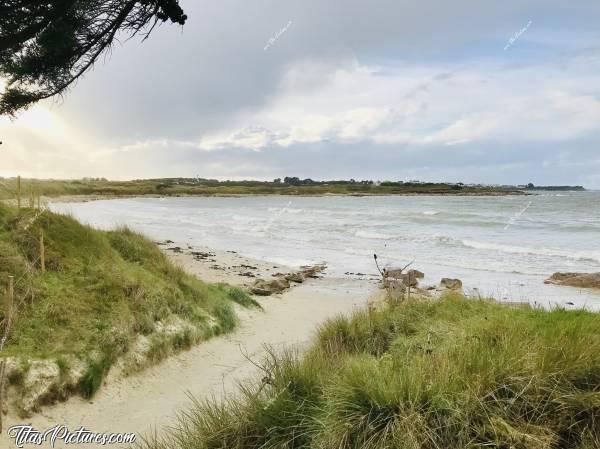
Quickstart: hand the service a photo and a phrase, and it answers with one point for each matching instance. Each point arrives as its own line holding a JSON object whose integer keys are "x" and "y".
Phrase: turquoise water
{"x": 499, "y": 246}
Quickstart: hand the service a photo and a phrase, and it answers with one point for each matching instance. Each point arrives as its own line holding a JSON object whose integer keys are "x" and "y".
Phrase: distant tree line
{"x": 295, "y": 181}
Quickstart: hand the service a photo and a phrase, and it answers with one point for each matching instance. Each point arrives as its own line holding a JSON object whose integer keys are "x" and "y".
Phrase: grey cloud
{"x": 183, "y": 82}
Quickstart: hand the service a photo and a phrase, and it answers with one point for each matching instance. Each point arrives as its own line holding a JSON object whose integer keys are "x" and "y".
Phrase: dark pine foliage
{"x": 45, "y": 46}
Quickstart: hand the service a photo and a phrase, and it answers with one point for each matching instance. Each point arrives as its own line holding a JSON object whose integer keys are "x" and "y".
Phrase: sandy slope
{"x": 151, "y": 399}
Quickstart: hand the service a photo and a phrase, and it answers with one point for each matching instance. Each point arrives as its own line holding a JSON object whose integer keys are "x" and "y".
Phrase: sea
{"x": 499, "y": 246}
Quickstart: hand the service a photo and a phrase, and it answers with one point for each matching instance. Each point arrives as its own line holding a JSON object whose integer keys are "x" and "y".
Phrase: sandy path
{"x": 152, "y": 398}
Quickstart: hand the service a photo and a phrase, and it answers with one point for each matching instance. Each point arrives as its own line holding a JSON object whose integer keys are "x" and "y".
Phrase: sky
{"x": 467, "y": 90}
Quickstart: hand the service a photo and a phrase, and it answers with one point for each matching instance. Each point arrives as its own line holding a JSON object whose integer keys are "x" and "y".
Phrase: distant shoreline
{"x": 91, "y": 189}
{"x": 99, "y": 188}
{"x": 89, "y": 198}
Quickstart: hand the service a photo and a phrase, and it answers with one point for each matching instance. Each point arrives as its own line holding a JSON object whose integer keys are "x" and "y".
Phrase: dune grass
{"x": 100, "y": 292}
{"x": 445, "y": 374}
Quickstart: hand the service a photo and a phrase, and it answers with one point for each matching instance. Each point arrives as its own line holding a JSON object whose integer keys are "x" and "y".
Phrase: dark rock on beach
{"x": 416, "y": 273}
{"x": 295, "y": 277}
{"x": 282, "y": 281}
{"x": 267, "y": 288}
{"x": 312, "y": 271}
{"x": 201, "y": 255}
{"x": 581, "y": 280}
{"x": 409, "y": 278}
{"x": 451, "y": 284}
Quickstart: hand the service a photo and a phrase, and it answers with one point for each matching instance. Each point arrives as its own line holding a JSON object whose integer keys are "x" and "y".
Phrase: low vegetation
{"x": 105, "y": 297}
{"x": 192, "y": 186}
{"x": 451, "y": 374}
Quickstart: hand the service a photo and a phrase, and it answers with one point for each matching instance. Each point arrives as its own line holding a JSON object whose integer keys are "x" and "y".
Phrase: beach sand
{"x": 149, "y": 400}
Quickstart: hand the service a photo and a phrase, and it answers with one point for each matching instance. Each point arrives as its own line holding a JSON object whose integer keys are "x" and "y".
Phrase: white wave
{"x": 373, "y": 235}
{"x": 510, "y": 249}
{"x": 359, "y": 251}
{"x": 430, "y": 212}
{"x": 284, "y": 209}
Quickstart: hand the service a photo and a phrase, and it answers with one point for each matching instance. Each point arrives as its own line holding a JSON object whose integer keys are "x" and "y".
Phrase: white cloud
{"x": 415, "y": 105}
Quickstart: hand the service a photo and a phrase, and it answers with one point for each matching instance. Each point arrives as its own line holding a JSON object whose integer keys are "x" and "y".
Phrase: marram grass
{"x": 101, "y": 291}
{"x": 447, "y": 374}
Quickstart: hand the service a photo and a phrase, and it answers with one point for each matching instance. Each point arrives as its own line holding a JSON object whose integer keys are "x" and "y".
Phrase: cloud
{"x": 396, "y": 89}
{"x": 355, "y": 104}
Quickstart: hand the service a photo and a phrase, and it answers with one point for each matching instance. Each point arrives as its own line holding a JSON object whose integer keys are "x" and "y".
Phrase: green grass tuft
{"x": 450, "y": 374}
{"x": 241, "y": 297}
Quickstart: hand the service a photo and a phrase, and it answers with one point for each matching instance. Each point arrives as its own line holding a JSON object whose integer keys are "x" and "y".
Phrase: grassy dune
{"x": 101, "y": 293}
{"x": 448, "y": 374}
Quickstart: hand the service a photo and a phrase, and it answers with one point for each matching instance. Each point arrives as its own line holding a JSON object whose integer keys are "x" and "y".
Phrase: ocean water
{"x": 499, "y": 246}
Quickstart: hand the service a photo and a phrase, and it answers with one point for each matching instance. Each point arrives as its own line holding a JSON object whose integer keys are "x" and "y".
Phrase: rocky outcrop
{"x": 581, "y": 280}
{"x": 312, "y": 271}
{"x": 451, "y": 284}
{"x": 416, "y": 274}
{"x": 264, "y": 287}
{"x": 409, "y": 278}
{"x": 295, "y": 277}
{"x": 267, "y": 288}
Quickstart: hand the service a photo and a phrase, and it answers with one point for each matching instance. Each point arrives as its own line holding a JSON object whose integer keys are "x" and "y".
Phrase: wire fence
{"x": 20, "y": 288}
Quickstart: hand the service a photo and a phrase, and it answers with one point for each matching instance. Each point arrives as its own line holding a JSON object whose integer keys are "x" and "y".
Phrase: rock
{"x": 260, "y": 291}
{"x": 267, "y": 288}
{"x": 312, "y": 271}
{"x": 282, "y": 281}
{"x": 416, "y": 273}
{"x": 201, "y": 255}
{"x": 280, "y": 284}
{"x": 393, "y": 273}
{"x": 175, "y": 249}
{"x": 295, "y": 277}
{"x": 409, "y": 278}
{"x": 581, "y": 280}
{"x": 451, "y": 284}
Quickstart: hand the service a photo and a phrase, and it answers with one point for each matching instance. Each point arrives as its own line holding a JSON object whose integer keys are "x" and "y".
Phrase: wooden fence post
{"x": 31, "y": 202}
{"x": 42, "y": 252}
{"x": 18, "y": 192}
